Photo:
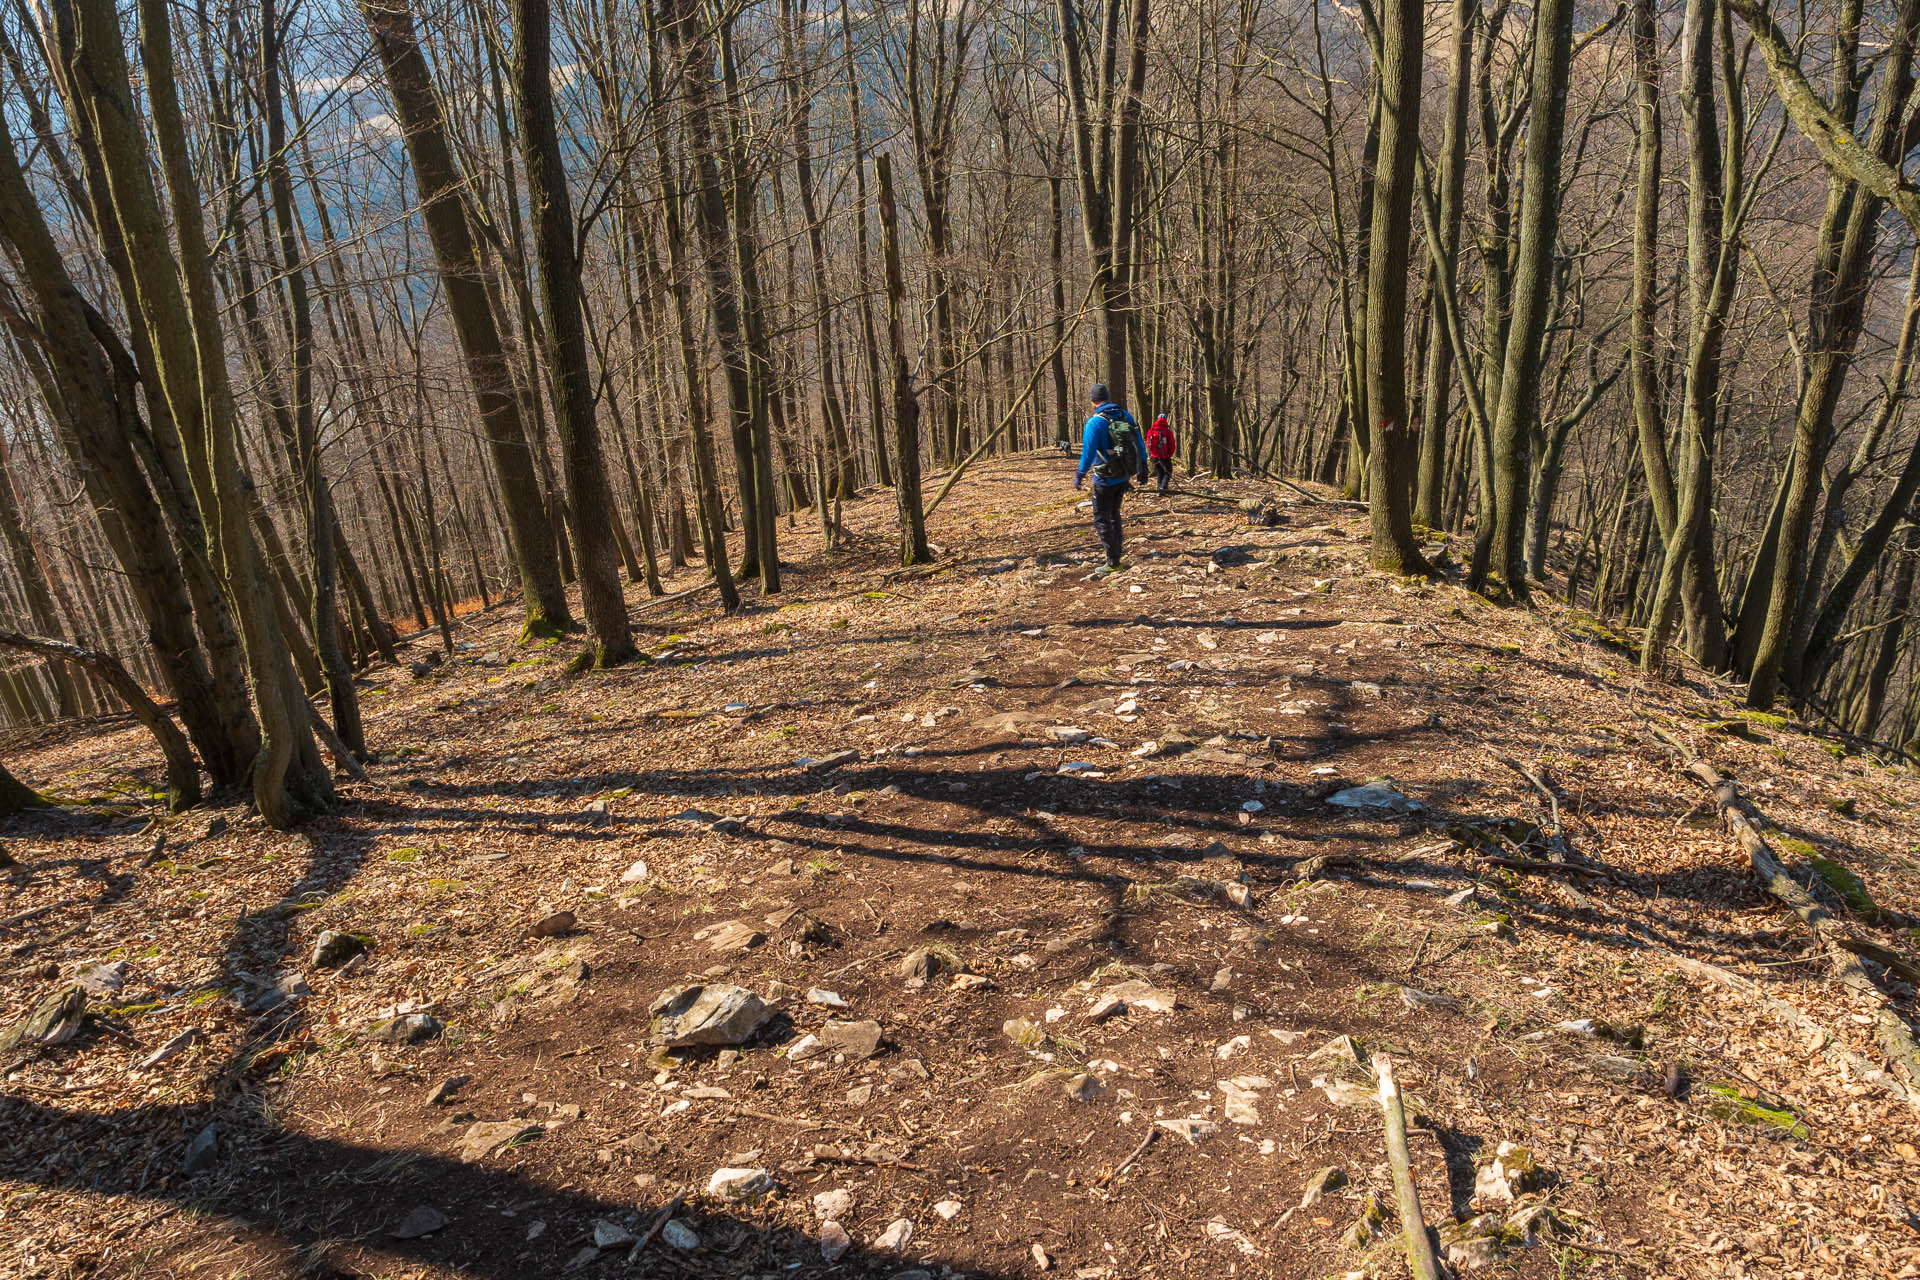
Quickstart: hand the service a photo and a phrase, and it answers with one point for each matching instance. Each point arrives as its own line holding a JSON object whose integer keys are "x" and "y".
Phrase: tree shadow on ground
{"x": 290, "y": 1204}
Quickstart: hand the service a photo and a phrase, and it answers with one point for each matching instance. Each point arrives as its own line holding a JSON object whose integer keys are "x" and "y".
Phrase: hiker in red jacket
{"x": 1161, "y": 446}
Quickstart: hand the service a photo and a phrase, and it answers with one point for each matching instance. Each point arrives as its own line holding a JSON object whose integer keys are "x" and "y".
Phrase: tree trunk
{"x": 1429, "y": 502}
{"x": 906, "y": 409}
{"x": 1833, "y": 329}
{"x": 441, "y": 190}
{"x": 181, "y": 315}
{"x": 589, "y": 497}
{"x": 1402, "y": 38}
{"x": 91, "y": 409}
{"x": 322, "y": 528}
{"x": 1713, "y": 260}
{"x": 1519, "y": 402}
{"x": 691, "y": 43}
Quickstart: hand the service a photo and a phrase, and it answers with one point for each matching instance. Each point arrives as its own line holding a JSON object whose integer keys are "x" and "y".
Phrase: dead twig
{"x": 792, "y": 1122}
{"x": 835, "y": 1157}
{"x": 36, "y": 912}
{"x": 1421, "y": 946}
{"x": 653, "y": 1229}
{"x": 1542, "y": 866}
{"x": 1133, "y": 1155}
{"x": 1539, "y": 784}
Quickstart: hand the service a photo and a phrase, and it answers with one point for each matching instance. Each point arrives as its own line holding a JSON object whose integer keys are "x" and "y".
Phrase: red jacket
{"x": 1160, "y": 439}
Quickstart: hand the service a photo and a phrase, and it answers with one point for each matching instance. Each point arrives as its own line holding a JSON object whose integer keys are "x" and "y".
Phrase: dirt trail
{"x": 1062, "y": 787}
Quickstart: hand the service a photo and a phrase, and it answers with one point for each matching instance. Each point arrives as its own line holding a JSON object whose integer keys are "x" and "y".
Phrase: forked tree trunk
{"x": 94, "y": 429}
{"x": 181, "y": 315}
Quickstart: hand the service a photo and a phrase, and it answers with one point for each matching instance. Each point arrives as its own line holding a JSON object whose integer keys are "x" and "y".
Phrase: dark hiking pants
{"x": 1163, "y": 472}
{"x": 1106, "y": 519}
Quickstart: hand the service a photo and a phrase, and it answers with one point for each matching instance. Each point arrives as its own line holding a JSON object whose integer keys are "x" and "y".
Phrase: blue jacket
{"x": 1095, "y": 439}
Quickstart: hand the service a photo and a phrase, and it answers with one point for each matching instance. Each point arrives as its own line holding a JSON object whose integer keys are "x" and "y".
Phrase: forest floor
{"x": 936, "y": 923}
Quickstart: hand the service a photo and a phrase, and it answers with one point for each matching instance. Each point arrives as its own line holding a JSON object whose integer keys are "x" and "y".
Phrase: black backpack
{"x": 1126, "y": 452}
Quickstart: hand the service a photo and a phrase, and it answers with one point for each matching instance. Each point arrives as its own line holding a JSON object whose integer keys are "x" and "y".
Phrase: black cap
{"x": 1099, "y": 393}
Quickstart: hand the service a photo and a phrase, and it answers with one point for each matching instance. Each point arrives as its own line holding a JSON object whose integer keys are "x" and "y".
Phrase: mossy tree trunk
{"x": 181, "y": 315}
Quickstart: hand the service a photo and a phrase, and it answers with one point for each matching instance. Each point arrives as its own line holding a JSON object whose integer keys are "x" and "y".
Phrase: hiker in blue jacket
{"x": 1111, "y": 451}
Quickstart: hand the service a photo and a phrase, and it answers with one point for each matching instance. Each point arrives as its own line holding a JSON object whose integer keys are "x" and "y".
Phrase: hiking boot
{"x": 1107, "y": 570}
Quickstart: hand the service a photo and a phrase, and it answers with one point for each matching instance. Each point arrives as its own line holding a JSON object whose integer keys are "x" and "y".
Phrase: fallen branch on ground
{"x": 343, "y": 759}
{"x": 1413, "y": 1223}
{"x": 183, "y": 773}
{"x": 1541, "y": 865}
{"x": 35, "y": 913}
{"x": 651, "y": 605}
{"x": 1539, "y": 784}
{"x": 1891, "y": 1032}
{"x": 1830, "y": 1048}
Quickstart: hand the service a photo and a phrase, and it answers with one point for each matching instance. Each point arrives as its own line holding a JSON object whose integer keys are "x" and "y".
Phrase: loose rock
{"x": 1083, "y": 1087}
{"x": 102, "y": 979}
{"x": 1323, "y": 1184}
{"x": 1130, "y": 997}
{"x": 919, "y": 966}
{"x": 707, "y": 1014}
{"x": 830, "y": 1206}
{"x": 202, "y": 1150}
{"x": 733, "y": 936}
{"x": 739, "y": 1186}
{"x": 410, "y": 1028}
{"x": 485, "y": 1137}
{"x": 1192, "y": 1128}
{"x": 1511, "y": 1172}
{"x": 334, "y": 948}
{"x": 857, "y": 1040}
{"x": 443, "y": 1092}
{"x": 1375, "y": 795}
{"x": 894, "y": 1239}
{"x": 421, "y": 1220}
{"x": 610, "y": 1235}
{"x": 834, "y": 1241}
{"x": 680, "y": 1236}
{"x": 54, "y": 1020}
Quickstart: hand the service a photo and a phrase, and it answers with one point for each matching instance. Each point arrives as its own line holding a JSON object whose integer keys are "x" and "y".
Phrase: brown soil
{"x": 956, "y": 831}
